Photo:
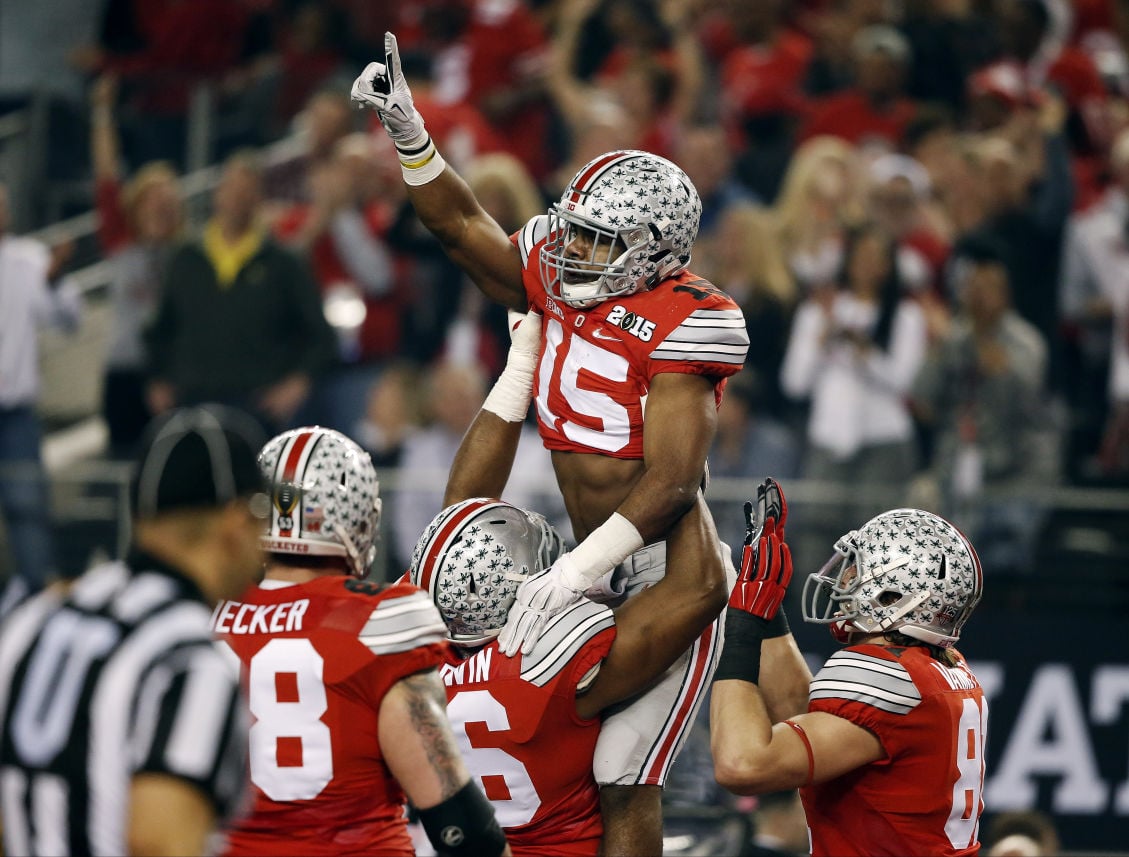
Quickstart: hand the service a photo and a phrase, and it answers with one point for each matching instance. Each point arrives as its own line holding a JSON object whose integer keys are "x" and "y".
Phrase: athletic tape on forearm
{"x": 420, "y": 161}
{"x": 509, "y": 398}
{"x": 606, "y": 547}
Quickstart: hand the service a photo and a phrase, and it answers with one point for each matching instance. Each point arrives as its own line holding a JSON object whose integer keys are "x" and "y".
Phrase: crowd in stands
{"x": 922, "y": 207}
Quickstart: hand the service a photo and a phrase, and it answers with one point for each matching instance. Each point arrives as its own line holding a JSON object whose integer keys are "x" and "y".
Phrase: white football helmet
{"x": 644, "y": 213}
{"x": 906, "y": 570}
{"x": 324, "y": 497}
{"x": 473, "y": 556}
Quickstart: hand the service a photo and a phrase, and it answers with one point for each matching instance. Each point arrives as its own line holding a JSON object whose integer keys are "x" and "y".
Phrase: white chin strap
{"x": 350, "y": 549}
{"x": 578, "y": 302}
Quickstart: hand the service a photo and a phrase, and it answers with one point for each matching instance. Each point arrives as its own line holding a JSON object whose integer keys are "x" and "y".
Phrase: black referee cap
{"x": 196, "y": 457}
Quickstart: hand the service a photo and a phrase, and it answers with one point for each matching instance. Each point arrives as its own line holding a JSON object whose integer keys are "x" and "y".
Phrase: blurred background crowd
{"x": 922, "y": 207}
{"x": 919, "y": 204}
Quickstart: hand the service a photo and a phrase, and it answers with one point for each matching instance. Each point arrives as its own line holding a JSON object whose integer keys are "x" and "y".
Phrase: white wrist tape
{"x": 606, "y": 547}
{"x": 512, "y": 392}
{"x": 420, "y": 161}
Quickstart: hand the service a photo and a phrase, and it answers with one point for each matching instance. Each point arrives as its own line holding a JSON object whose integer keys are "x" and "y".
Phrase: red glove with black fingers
{"x": 754, "y": 613}
{"x": 766, "y": 561}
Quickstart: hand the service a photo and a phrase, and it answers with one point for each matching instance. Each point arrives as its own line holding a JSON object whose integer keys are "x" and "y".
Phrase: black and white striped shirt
{"x": 117, "y": 676}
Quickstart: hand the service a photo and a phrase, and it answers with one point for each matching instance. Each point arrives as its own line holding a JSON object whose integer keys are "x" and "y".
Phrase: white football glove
{"x": 539, "y": 599}
{"x": 382, "y": 87}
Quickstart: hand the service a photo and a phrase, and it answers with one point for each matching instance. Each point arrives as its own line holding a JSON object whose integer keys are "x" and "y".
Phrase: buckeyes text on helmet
{"x": 471, "y": 559}
{"x": 324, "y": 497}
{"x": 905, "y": 570}
{"x": 642, "y": 213}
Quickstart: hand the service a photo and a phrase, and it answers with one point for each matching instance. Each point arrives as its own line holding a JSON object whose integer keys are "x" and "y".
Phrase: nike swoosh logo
{"x": 598, "y": 335}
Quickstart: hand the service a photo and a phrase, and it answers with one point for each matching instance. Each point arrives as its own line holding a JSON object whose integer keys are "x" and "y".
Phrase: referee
{"x": 123, "y": 727}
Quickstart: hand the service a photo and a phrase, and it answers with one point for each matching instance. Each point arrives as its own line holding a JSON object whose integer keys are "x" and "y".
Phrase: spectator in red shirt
{"x": 875, "y": 111}
{"x": 1049, "y": 62}
{"x": 491, "y": 55}
{"x": 763, "y": 73}
{"x": 162, "y": 50}
{"x": 761, "y": 78}
{"x": 657, "y": 90}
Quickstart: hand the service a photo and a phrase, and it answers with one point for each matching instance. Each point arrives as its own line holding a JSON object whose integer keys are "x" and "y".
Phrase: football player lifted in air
{"x": 528, "y": 725}
{"x": 625, "y": 324}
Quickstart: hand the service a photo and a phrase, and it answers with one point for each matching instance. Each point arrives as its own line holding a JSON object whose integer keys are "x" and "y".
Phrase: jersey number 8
{"x": 291, "y": 752}
{"x": 964, "y": 816}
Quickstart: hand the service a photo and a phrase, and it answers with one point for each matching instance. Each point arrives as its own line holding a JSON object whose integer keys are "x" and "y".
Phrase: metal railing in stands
{"x": 18, "y": 165}
{"x": 13, "y": 125}
{"x": 95, "y": 492}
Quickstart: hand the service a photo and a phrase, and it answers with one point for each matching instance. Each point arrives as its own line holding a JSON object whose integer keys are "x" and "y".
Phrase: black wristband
{"x": 777, "y": 626}
{"x": 741, "y": 652}
{"x": 744, "y": 633}
{"x": 464, "y": 824}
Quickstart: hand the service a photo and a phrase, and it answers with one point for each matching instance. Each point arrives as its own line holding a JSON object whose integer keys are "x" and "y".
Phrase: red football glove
{"x": 766, "y": 562}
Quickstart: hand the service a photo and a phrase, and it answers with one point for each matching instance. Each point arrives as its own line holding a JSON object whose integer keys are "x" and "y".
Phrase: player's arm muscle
{"x": 472, "y": 238}
{"x": 656, "y": 626}
{"x": 416, "y": 740}
{"x": 784, "y": 678}
{"x": 678, "y": 428}
{"x": 752, "y": 756}
{"x": 484, "y": 459}
{"x": 167, "y": 815}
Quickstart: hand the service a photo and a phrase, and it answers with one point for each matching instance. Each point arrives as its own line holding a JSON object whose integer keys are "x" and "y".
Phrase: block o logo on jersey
{"x": 452, "y": 836}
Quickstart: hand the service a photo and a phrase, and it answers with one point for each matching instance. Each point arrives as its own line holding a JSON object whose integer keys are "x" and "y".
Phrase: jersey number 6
{"x": 486, "y": 763}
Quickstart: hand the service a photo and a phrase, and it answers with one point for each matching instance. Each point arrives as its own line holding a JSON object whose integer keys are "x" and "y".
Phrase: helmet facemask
{"x": 608, "y": 270}
{"x": 642, "y": 214}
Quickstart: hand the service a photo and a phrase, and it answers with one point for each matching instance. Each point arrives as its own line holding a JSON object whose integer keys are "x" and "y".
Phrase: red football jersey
{"x": 925, "y": 796}
{"x": 517, "y": 726}
{"x": 597, "y": 363}
{"x": 318, "y": 658}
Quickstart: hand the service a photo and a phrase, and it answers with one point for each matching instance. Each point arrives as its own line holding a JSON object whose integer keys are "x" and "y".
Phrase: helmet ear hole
{"x": 889, "y": 597}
